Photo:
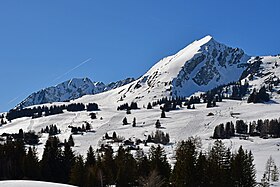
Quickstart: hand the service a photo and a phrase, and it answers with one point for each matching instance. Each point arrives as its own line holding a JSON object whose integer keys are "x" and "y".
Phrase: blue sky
{"x": 42, "y": 40}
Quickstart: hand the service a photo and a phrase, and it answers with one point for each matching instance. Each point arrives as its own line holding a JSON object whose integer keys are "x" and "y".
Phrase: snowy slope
{"x": 180, "y": 124}
{"x": 71, "y": 89}
{"x": 202, "y": 65}
{"x": 22, "y": 183}
{"x": 194, "y": 68}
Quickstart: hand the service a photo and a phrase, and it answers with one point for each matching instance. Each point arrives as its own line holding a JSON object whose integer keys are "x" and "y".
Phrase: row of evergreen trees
{"x": 51, "y": 130}
{"x": 39, "y": 111}
{"x": 84, "y": 128}
{"x": 159, "y": 137}
{"x": 218, "y": 167}
{"x": 258, "y": 96}
{"x": 233, "y": 90}
{"x": 126, "y": 106}
{"x": 174, "y": 102}
{"x": 262, "y": 128}
{"x": 29, "y": 138}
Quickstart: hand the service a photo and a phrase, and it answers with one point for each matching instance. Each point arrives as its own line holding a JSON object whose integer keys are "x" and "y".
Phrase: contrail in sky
{"x": 14, "y": 99}
{"x": 59, "y": 77}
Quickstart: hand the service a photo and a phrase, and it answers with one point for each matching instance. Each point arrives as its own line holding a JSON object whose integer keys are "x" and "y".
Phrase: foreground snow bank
{"x": 22, "y": 183}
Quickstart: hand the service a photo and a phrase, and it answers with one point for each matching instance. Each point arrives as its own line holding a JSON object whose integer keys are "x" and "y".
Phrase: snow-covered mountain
{"x": 200, "y": 66}
{"x": 69, "y": 90}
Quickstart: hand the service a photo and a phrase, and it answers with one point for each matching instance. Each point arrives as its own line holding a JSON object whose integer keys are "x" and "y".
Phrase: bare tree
{"x": 153, "y": 180}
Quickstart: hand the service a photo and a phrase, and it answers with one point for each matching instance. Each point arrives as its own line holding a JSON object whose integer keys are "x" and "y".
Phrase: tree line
{"x": 194, "y": 168}
{"x": 262, "y": 128}
{"x": 39, "y": 111}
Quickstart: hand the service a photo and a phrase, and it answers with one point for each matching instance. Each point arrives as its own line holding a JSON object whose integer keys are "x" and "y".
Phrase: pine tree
{"x": 184, "y": 173}
{"x": 106, "y": 136}
{"x": 214, "y": 103}
{"x": 92, "y": 115}
{"x": 149, "y": 106}
{"x": 2, "y": 121}
{"x": 142, "y": 164}
{"x": 217, "y": 158}
{"x": 114, "y": 135}
{"x": 125, "y": 121}
{"x": 134, "y": 122}
{"x": 88, "y": 126}
{"x": 77, "y": 172}
{"x": 126, "y": 168}
{"x": 209, "y": 104}
{"x": 158, "y": 125}
{"x": 201, "y": 171}
{"x": 71, "y": 141}
{"x": 51, "y": 163}
{"x": 243, "y": 169}
{"x": 31, "y": 165}
{"x": 159, "y": 162}
{"x": 91, "y": 169}
{"x": 108, "y": 167}
{"x": 162, "y": 114}
{"x": 68, "y": 161}
{"x": 90, "y": 160}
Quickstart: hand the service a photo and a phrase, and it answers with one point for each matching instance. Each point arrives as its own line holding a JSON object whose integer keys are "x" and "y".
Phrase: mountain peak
{"x": 200, "y": 66}
{"x": 205, "y": 39}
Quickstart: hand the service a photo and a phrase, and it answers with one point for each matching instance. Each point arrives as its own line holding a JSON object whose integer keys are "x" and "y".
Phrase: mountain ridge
{"x": 69, "y": 90}
{"x": 200, "y": 66}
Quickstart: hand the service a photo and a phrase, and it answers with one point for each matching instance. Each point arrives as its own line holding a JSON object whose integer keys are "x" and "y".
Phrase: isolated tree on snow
{"x": 125, "y": 121}
{"x": 134, "y": 122}
{"x": 149, "y": 106}
{"x": 158, "y": 125}
{"x": 162, "y": 114}
{"x": 114, "y": 135}
{"x": 106, "y": 136}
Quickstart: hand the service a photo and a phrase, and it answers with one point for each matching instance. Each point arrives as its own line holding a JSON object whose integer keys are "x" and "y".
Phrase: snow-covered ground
{"x": 159, "y": 82}
{"x": 180, "y": 124}
{"x": 22, "y": 183}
